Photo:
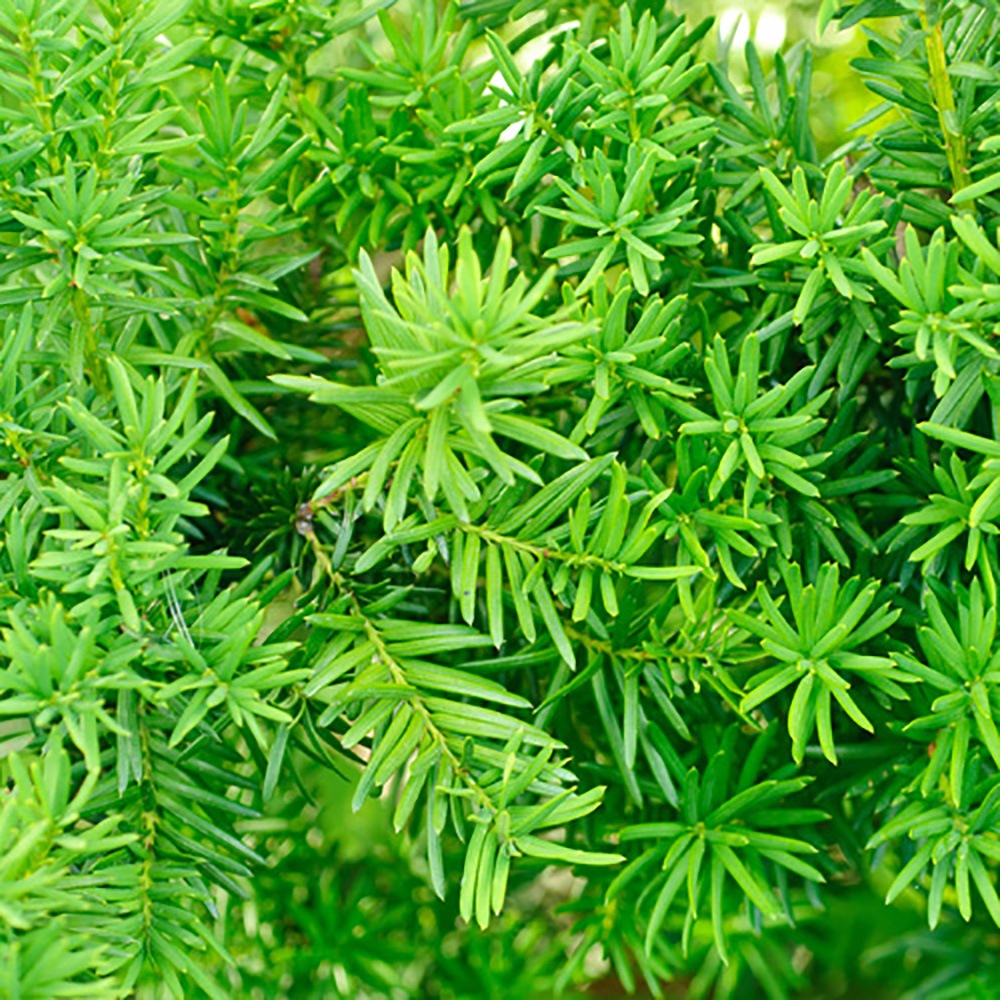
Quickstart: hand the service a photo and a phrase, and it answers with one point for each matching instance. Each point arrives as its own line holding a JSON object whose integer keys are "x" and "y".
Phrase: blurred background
{"x": 839, "y": 97}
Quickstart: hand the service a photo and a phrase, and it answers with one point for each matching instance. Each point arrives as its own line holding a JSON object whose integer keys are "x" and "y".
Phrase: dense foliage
{"x": 511, "y": 410}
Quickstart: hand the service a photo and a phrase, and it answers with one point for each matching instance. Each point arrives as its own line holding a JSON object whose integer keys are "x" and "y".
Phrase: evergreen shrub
{"x": 507, "y": 408}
